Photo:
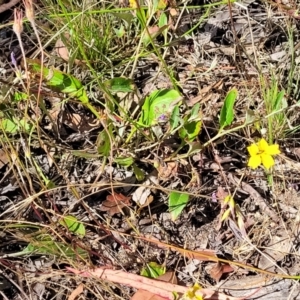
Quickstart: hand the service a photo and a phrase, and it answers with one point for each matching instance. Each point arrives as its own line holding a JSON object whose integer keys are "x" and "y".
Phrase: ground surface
{"x": 58, "y": 159}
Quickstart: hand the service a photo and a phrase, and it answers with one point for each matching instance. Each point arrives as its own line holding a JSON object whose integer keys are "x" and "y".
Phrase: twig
{"x": 6, "y": 6}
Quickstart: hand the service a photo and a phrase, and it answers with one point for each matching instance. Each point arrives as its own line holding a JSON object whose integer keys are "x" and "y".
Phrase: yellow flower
{"x": 193, "y": 293}
{"x": 261, "y": 153}
{"x": 132, "y": 4}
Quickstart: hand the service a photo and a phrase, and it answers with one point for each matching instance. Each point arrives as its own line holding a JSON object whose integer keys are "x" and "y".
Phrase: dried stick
{"x": 6, "y": 6}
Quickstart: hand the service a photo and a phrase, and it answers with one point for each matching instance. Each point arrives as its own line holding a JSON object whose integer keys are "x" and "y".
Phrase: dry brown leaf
{"x": 61, "y": 50}
{"x": 173, "y": 12}
{"x": 205, "y": 93}
{"x": 76, "y": 292}
{"x": 199, "y": 98}
{"x": 4, "y": 159}
{"x": 219, "y": 269}
{"x": 148, "y": 201}
{"x": 167, "y": 170}
{"x": 79, "y": 122}
{"x": 114, "y": 203}
{"x": 141, "y": 195}
{"x": 153, "y": 30}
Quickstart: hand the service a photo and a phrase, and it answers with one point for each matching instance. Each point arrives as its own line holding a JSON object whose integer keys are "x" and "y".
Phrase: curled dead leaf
{"x": 114, "y": 203}
{"x": 219, "y": 269}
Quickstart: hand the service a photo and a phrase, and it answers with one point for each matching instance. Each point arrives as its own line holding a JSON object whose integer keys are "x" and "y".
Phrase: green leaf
{"x": 44, "y": 244}
{"x": 50, "y": 184}
{"x": 9, "y": 125}
{"x": 177, "y": 202}
{"x": 190, "y": 130}
{"x": 124, "y": 161}
{"x": 162, "y": 23}
{"x": 195, "y": 113}
{"x": 120, "y": 32}
{"x": 278, "y": 102}
{"x": 19, "y": 96}
{"x": 226, "y": 116}
{"x": 103, "y": 143}
{"x": 120, "y": 84}
{"x": 72, "y": 224}
{"x": 153, "y": 270}
{"x": 194, "y": 148}
{"x": 84, "y": 154}
{"x": 159, "y": 103}
{"x": 25, "y": 125}
{"x": 54, "y": 248}
{"x": 13, "y": 125}
{"x": 60, "y": 81}
{"x": 141, "y": 15}
{"x": 163, "y": 20}
{"x": 139, "y": 174}
{"x": 175, "y": 118}
{"x": 127, "y": 17}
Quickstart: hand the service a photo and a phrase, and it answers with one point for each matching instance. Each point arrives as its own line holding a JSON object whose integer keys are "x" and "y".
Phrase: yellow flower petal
{"x": 253, "y": 149}
{"x": 267, "y": 161}
{"x": 254, "y": 161}
{"x": 227, "y": 199}
{"x": 272, "y": 150}
{"x": 263, "y": 145}
{"x": 194, "y": 293}
{"x": 225, "y": 214}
